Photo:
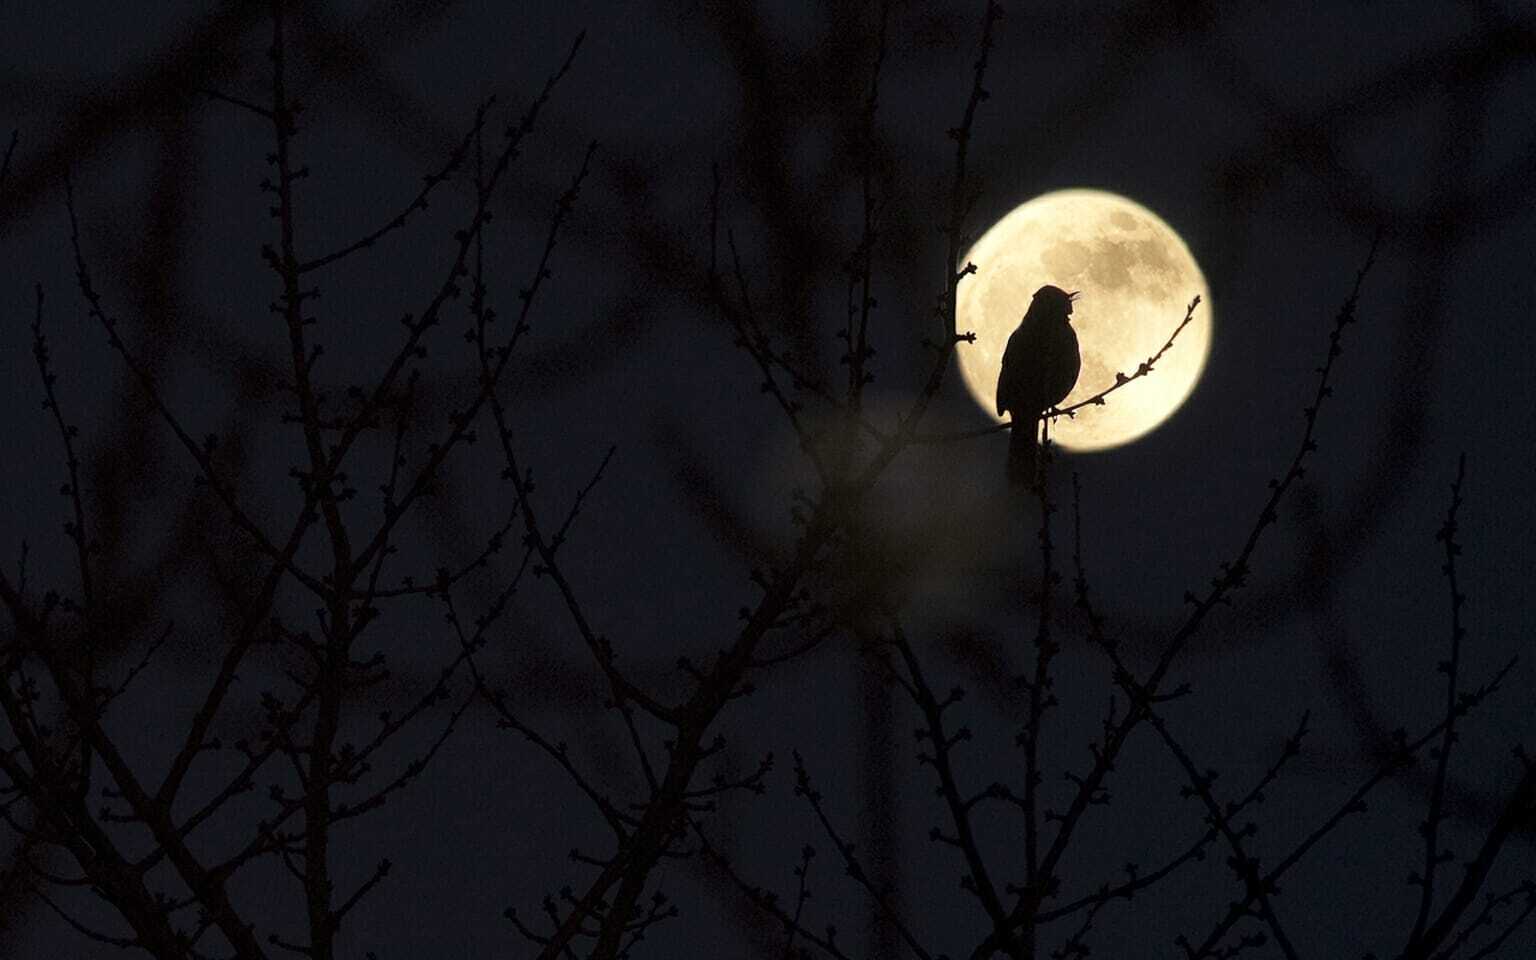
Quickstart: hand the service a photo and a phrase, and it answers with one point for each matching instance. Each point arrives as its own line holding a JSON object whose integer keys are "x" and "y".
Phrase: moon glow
{"x": 1136, "y": 277}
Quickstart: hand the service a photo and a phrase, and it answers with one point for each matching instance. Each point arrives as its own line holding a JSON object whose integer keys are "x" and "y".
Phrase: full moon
{"x": 1135, "y": 277}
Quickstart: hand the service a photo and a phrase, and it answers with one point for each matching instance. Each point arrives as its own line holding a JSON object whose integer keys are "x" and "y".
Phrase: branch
{"x": 854, "y": 869}
{"x": 978, "y": 881}
{"x": 1429, "y": 829}
{"x": 430, "y": 181}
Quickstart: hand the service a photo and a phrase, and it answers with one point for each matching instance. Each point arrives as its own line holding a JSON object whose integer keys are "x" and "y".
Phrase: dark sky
{"x": 1277, "y": 143}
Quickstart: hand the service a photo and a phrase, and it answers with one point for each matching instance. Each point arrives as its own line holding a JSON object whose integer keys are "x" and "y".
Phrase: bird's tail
{"x": 1023, "y": 450}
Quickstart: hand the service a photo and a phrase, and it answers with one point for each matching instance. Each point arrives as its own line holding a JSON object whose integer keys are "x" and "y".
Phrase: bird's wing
{"x": 1007, "y": 378}
{"x": 1017, "y": 382}
{"x": 1060, "y": 362}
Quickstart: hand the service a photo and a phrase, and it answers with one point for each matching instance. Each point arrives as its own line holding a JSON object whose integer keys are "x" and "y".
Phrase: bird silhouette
{"x": 1040, "y": 367}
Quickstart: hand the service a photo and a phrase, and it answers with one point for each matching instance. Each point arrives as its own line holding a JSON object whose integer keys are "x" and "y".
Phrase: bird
{"x": 1040, "y": 367}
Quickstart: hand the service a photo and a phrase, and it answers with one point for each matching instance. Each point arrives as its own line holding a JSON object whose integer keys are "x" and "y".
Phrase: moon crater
{"x": 1135, "y": 275}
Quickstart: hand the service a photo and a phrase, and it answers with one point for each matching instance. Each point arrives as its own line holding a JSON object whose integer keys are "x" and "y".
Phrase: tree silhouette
{"x": 315, "y": 560}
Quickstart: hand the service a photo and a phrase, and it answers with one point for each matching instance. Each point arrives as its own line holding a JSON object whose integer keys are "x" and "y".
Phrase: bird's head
{"x": 1055, "y": 298}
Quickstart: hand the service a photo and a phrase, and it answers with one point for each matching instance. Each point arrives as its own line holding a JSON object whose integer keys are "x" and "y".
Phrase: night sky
{"x": 1281, "y": 145}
